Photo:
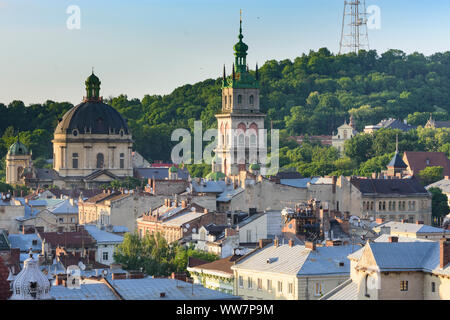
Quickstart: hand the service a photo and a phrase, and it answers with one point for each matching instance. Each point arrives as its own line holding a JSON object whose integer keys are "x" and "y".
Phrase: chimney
{"x": 230, "y": 232}
{"x": 276, "y": 242}
{"x": 379, "y": 220}
{"x": 183, "y": 204}
{"x": 310, "y": 245}
{"x": 291, "y": 243}
{"x": 264, "y": 242}
{"x": 444, "y": 253}
{"x": 205, "y": 210}
{"x": 419, "y": 222}
{"x": 447, "y": 177}
{"x": 393, "y": 239}
{"x": 333, "y": 181}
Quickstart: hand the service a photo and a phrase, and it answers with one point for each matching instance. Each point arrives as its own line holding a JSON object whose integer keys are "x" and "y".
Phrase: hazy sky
{"x": 143, "y": 47}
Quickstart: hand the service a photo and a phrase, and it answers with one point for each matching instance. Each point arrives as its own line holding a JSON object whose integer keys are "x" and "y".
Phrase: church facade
{"x": 92, "y": 145}
{"x": 240, "y": 120}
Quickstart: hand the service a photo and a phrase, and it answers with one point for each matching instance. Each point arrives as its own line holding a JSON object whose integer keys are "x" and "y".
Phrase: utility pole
{"x": 354, "y": 35}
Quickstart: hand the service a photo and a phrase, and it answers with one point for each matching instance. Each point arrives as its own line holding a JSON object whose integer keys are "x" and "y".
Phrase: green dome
{"x": 173, "y": 169}
{"x": 255, "y": 166}
{"x": 18, "y": 148}
{"x": 216, "y": 176}
{"x": 93, "y": 79}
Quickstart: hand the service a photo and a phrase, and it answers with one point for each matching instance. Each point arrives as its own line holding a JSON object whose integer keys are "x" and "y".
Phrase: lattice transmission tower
{"x": 354, "y": 36}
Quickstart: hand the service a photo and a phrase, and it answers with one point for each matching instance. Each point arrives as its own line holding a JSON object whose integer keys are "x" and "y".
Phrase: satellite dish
{"x": 126, "y": 191}
{"x": 173, "y": 204}
{"x": 188, "y": 189}
{"x": 81, "y": 265}
{"x": 187, "y": 225}
{"x": 194, "y": 230}
{"x": 185, "y": 230}
{"x": 237, "y": 252}
{"x": 105, "y": 272}
{"x": 192, "y": 209}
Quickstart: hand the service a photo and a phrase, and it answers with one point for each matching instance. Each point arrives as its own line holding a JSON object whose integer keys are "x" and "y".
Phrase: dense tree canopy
{"x": 312, "y": 94}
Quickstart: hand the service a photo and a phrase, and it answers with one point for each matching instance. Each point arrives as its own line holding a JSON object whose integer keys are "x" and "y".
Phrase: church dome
{"x": 92, "y": 115}
{"x": 31, "y": 283}
{"x": 18, "y": 148}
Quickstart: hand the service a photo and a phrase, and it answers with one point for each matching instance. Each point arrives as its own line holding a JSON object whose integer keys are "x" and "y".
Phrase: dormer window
{"x": 121, "y": 132}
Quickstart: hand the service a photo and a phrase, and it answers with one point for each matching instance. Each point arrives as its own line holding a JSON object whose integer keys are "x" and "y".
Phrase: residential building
{"x": 291, "y": 272}
{"x": 419, "y": 160}
{"x": 444, "y": 185}
{"x": 387, "y": 199}
{"x": 116, "y": 208}
{"x": 389, "y": 124}
{"x": 411, "y": 230}
{"x": 216, "y": 275}
{"x": 106, "y": 244}
{"x": 395, "y": 268}
{"x": 177, "y": 220}
{"x": 433, "y": 124}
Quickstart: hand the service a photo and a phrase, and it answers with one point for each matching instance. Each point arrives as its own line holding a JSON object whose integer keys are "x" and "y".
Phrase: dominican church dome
{"x": 92, "y": 116}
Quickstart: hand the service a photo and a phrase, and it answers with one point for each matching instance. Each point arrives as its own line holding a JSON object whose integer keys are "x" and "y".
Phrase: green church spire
{"x": 93, "y": 87}
{"x": 241, "y": 76}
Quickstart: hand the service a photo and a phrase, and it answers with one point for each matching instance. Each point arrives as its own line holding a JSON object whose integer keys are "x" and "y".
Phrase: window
{"x": 403, "y": 285}
{"x": 251, "y": 100}
{"x": 269, "y": 285}
{"x": 249, "y": 282}
{"x": 239, "y": 99}
{"x": 241, "y": 282}
{"x": 366, "y": 287}
{"x": 433, "y": 287}
{"x": 34, "y": 242}
{"x": 318, "y": 289}
{"x": 122, "y": 160}
{"x": 100, "y": 160}
{"x": 225, "y": 101}
{"x": 75, "y": 160}
{"x": 290, "y": 288}
{"x": 61, "y": 220}
{"x": 280, "y": 286}
{"x": 105, "y": 255}
{"x": 259, "y": 284}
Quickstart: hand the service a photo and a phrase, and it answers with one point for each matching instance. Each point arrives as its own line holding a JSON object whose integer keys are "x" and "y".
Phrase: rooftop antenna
{"x": 354, "y": 34}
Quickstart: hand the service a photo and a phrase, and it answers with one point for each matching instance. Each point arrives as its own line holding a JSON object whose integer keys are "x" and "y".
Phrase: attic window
{"x": 341, "y": 264}
{"x": 428, "y": 162}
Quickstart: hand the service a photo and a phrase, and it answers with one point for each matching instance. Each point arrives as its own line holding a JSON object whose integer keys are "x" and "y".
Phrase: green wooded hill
{"x": 313, "y": 94}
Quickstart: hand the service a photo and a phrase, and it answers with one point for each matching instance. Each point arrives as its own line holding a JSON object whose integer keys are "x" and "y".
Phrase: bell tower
{"x": 18, "y": 160}
{"x": 240, "y": 119}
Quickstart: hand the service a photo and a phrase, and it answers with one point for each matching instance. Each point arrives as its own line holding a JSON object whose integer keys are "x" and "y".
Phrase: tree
{"x": 430, "y": 175}
{"x": 439, "y": 203}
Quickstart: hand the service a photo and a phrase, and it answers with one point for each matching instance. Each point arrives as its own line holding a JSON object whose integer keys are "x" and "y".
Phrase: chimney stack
{"x": 276, "y": 242}
{"x": 291, "y": 243}
{"x": 183, "y": 204}
{"x": 264, "y": 242}
{"x": 310, "y": 245}
{"x": 393, "y": 239}
{"x": 444, "y": 253}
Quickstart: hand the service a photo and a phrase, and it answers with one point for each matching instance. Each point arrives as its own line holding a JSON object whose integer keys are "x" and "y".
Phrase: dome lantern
{"x": 92, "y": 88}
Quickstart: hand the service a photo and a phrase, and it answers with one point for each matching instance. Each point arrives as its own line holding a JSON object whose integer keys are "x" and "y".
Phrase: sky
{"x": 140, "y": 47}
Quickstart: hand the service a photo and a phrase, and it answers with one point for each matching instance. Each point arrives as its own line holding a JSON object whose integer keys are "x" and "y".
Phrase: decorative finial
{"x": 240, "y": 26}
{"x": 224, "y": 73}
{"x": 92, "y": 70}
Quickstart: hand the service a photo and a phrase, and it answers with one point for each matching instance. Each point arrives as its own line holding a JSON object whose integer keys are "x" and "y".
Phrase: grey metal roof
{"x": 411, "y": 227}
{"x": 150, "y": 289}
{"x": 443, "y": 184}
{"x": 159, "y": 173}
{"x": 64, "y": 207}
{"x": 207, "y": 186}
{"x": 297, "y": 260}
{"x": 25, "y": 241}
{"x": 346, "y": 291}
{"x": 101, "y": 236}
{"x": 89, "y": 290}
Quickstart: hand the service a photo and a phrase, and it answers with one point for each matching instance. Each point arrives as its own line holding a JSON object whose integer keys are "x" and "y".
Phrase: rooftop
{"x": 298, "y": 260}
{"x": 101, "y": 236}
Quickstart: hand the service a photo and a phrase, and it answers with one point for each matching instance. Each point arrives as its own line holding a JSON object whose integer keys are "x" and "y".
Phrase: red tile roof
{"x": 417, "y": 161}
{"x": 68, "y": 239}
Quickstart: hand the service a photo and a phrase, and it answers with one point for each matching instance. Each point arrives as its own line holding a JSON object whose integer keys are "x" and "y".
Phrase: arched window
{"x": 230, "y": 100}
{"x": 100, "y": 160}
{"x": 225, "y": 101}
{"x": 345, "y": 134}
{"x": 251, "y": 100}
{"x": 366, "y": 286}
{"x": 241, "y": 139}
{"x": 19, "y": 172}
{"x": 239, "y": 99}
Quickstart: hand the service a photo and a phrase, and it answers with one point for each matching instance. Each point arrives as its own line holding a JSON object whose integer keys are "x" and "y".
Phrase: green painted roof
{"x": 216, "y": 176}
{"x": 18, "y": 148}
